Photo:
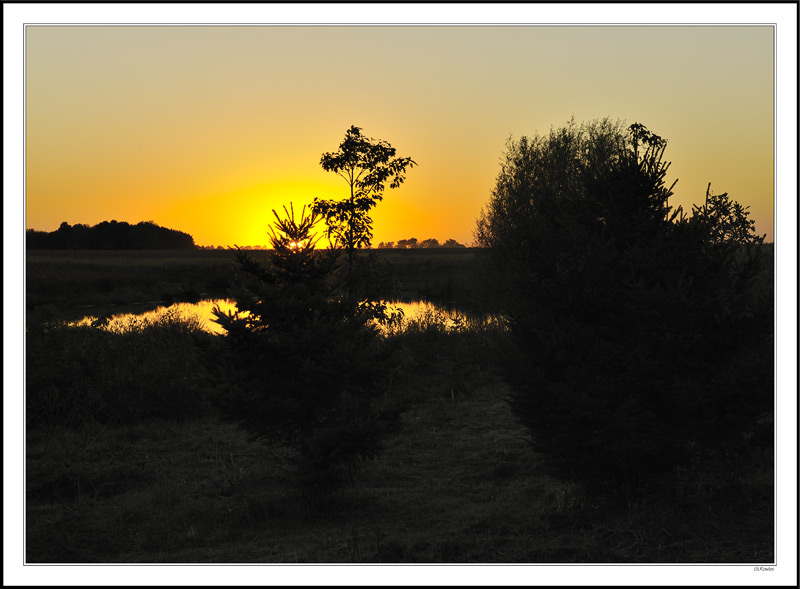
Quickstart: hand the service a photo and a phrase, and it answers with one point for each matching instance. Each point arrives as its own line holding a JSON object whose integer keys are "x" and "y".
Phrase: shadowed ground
{"x": 457, "y": 482}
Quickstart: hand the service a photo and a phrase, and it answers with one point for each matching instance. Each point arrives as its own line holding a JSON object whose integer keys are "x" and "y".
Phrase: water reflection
{"x": 199, "y": 312}
{"x": 422, "y": 314}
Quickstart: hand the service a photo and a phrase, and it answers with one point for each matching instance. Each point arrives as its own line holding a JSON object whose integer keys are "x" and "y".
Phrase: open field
{"x": 66, "y": 279}
{"x": 60, "y": 283}
{"x": 127, "y": 460}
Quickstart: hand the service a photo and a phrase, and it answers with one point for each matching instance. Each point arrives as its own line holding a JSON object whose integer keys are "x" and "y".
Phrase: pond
{"x": 418, "y": 313}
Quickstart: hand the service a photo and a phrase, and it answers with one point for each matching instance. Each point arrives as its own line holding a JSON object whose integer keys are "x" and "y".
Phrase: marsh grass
{"x": 115, "y": 373}
{"x": 457, "y": 482}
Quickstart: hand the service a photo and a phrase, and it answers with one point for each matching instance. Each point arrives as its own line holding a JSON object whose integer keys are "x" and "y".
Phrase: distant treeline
{"x": 110, "y": 236}
{"x": 413, "y": 243}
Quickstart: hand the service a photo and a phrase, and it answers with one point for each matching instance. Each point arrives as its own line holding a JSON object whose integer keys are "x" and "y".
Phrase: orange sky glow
{"x": 206, "y": 129}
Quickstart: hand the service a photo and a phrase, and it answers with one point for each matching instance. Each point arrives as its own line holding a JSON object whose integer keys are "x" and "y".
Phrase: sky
{"x": 206, "y": 129}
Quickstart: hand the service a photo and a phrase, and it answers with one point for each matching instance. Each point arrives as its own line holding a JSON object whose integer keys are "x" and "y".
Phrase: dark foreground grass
{"x": 457, "y": 482}
{"x": 117, "y": 374}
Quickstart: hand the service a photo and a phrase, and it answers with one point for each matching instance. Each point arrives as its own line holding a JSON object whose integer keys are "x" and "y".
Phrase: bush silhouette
{"x": 302, "y": 360}
{"x": 643, "y": 334}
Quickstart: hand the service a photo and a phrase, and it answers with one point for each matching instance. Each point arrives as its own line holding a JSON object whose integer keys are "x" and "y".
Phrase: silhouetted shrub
{"x": 303, "y": 364}
{"x": 644, "y": 335}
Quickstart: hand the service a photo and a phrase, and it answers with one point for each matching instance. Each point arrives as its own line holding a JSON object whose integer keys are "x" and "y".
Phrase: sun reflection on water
{"x": 200, "y": 312}
{"x": 419, "y": 313}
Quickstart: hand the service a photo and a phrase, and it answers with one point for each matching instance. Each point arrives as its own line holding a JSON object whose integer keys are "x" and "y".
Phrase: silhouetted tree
{"x": 302, "y": 359}
{"x": 366, "y": 165}
{"x": 407, "y": 243}
{"x": 428, "y": 243}
{"x": 644, "y": 334}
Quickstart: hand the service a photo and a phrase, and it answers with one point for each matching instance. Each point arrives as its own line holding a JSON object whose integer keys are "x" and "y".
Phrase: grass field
{"x": 127, "y": 460}
{"x": 65, "y": 280}
{"x": 61, "y": 284}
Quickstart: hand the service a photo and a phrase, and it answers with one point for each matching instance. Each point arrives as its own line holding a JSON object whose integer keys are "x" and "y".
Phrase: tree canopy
{"x": 367, "y": 165}
{"x": 111, "y": 236}
{"x": 643, "y": 333}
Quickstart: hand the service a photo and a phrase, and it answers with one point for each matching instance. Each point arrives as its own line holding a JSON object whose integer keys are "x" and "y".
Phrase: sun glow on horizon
{"x": 206, "y": 130}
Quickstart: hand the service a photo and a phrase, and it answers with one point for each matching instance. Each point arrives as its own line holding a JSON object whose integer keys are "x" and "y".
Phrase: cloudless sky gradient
{"x": 205, "y": 129}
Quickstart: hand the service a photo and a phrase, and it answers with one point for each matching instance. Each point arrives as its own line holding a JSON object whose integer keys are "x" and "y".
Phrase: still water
{"x": 420, "y": 313}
